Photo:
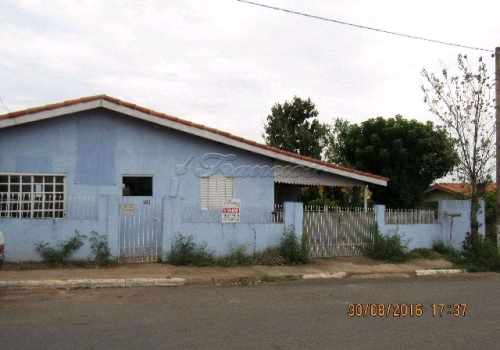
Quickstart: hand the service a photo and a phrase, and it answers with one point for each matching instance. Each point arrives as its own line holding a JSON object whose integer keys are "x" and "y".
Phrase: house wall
{"x": 96, "y": 148}
{"x": 424, "y": 235}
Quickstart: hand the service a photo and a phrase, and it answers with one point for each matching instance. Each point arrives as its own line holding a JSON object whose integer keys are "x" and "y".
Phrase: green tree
{"x": 410, "y": 153}
{"x": 464, "y": 103}
{"x": 292, "y": 127}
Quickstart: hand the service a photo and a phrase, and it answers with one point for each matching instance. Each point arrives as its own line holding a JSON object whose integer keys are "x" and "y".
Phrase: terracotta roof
{"x": 50, "y": 107}
{"x": 458, "y": 188}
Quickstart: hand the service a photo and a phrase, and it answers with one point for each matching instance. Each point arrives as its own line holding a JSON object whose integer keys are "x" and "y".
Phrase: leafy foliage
{"x": 293, "y": 250}
{"x": 321, "y": 202}
{"x": 464, "y": 103}
{"x": 388, "y": 248}
{"x": 490, "y": 199}
{"x": 479, "y": 256}
{"x": 412, "y": 154}
{"x": 63, "y": 251}
{"x": 270, "y": 256}
{"x": 100, "y": 250}
{"x": 188, "y": 253}
{"x": 291, "y": 127}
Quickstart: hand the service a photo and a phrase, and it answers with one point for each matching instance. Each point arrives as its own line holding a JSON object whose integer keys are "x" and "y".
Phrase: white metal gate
{"x": 140, "y": 229}
{"x": 337, "y": 232}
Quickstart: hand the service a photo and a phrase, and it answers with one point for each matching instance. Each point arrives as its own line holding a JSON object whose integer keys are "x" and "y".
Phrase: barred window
{"x": 32, "y": 195}
{"x": 214, "y": 190}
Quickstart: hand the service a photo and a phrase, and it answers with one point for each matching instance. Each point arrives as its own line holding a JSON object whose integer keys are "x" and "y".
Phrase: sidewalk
{"x": 156, "y": 274}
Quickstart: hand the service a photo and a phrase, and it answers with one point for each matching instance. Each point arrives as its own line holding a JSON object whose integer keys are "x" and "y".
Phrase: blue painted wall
{"x": 96, "y": 148}
{"x": 424, "y": 235}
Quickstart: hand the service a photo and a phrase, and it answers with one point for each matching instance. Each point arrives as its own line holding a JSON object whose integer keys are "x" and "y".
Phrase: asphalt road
{"x": 296, "y": 315}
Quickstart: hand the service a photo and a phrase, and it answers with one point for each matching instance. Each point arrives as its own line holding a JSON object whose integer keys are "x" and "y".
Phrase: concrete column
{"x": 113, "y": 225}
{"x": 379, "y": 210}
{"x": 293, "y": 213}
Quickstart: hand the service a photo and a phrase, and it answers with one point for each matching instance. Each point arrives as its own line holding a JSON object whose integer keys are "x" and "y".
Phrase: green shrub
{"x": 421, "y": 253}
{"x": 321, "y": 202}
{"x": 451, "y": 254}
{"x": 293, "y": 251}
{"x": 63, "y": 251}
{"x": 388, "y": 248}
{"x": 482, "y": 256}
{"x": 188, "y": 253}
{"x": 270, "y": 256}
{"x": 100, "y": 250}
{"x": 237, "y": 256}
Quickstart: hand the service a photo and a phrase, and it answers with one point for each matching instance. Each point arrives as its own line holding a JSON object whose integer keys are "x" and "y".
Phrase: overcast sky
{"x": 225, "y": 63}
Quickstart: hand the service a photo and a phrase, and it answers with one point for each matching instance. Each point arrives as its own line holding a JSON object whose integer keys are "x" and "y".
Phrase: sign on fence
{"x": 231, "y": 210}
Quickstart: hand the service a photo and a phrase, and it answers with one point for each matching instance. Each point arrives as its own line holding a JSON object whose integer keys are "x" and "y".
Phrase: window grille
{"x": 32, "y": 195}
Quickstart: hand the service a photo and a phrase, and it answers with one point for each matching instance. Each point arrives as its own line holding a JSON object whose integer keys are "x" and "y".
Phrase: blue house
{"x": 141, "y": 177}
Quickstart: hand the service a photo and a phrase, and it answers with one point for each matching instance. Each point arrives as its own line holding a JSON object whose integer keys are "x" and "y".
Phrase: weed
{"x": 388, "y": 248}
{"x": 188, "y": 253}
{"x": 293, "y": 251}
{"x": 451, "y": 254}
{"x": 100, "y": 250}
{"x": 270, "y": 256}
{"x": 63, "y": 251}
{"x": 482, "y": 256}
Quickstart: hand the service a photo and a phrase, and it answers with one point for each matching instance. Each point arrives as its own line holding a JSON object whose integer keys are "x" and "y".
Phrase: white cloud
{"x": 225, "y": 63}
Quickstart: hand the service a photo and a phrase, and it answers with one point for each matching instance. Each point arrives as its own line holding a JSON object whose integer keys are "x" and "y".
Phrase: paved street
{"x": 297, "y": 315}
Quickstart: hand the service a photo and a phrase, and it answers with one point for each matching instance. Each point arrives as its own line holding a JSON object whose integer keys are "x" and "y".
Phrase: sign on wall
{"x": 231, "y": 210}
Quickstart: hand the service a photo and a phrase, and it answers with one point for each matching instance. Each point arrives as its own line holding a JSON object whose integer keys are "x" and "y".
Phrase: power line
{"x": 364, "y": 27}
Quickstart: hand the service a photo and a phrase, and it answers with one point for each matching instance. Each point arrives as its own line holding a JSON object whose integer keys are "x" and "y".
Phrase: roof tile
{"x": 128, "y": 104}
{"x": 143, "y": 110}
{"x": 91, "y": 98}
{"x": 72, "y": 102}
{"x": 36, "y": 109}
{"x": 111, "y": 99}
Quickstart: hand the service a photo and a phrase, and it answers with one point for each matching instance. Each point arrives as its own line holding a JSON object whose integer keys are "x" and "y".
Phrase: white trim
{"x": 28, "y": 118}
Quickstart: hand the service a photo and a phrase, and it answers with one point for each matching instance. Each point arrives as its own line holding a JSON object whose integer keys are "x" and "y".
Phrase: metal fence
{"x": 337, "y": 231}
{"x": 82, "y": 208}
{"x": 249, "y": 213}
{"x": 48, "y": 206}
{"x": 410, "y": 217}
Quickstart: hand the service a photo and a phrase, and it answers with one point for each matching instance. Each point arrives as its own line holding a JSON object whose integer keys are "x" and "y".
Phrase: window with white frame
{"x": 32, "y": 195}
{"x": 214, "y": 190}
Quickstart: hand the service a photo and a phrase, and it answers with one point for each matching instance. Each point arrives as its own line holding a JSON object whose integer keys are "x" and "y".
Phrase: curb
{"x": 175, "y": 282}
{"x": 92, "y": 283}
{"x": 437, "y": 272}
{"x": 337, "y": 275}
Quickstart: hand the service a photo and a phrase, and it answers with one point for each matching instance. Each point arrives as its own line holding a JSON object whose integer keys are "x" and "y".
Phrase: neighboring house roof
{"x": 457, "y": 188}
{"x": 114, "y": 104}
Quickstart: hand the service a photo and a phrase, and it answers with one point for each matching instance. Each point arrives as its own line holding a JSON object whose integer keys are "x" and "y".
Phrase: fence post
{"x": 292, "y": 215}
{"x": 113, "y": 219}
{"x": 379, "y": 210}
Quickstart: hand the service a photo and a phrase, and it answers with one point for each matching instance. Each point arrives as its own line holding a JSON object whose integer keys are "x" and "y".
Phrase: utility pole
{"x": 497, "y": 116}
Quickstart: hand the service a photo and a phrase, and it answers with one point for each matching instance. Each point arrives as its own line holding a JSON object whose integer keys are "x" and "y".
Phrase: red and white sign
{"x": 231, "y": 210}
